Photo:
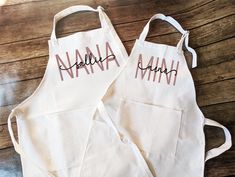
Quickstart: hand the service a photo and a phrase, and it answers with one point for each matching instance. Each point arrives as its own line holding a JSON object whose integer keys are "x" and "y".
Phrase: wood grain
{"x": 5, "y": 137}
{"x": 222, "y": 166}
{"x": 22, "y": 70}
{"x": 12, "y": 93}
{"x": 214, "y": 73}
{"x": 223, "y": 113}
{"x": 43, "y": 18}
{"x": 220, "y": 92}
{"x": 4, "y": 112}
{"x": 25, "y": 27}
{"x": 130, "y": 31}
{"x": 15, "y": 2}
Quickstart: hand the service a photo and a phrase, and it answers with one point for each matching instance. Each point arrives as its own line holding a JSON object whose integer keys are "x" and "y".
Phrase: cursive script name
{"x": 157, "y": 65}
{"x": 88, "y": 61}
{"x": 157, "y": 69}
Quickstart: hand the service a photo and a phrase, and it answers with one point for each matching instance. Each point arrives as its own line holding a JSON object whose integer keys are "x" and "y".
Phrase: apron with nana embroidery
{"x": 61, "y": 132}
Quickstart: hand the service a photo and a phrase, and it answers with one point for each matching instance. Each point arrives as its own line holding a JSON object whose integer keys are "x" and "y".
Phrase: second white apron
{"x": 153, "y": 102}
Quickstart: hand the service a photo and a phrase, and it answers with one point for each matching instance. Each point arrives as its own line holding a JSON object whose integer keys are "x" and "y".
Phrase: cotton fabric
{"x": 153, "y": 103}
{"x": 60, "y": 131}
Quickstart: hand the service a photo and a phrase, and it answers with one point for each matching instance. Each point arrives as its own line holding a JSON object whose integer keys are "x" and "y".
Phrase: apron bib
{"x": 153, "y": 103}
{"x": 57, "y": 132}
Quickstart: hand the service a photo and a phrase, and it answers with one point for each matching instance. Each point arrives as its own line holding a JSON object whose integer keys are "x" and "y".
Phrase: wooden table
{"x": 25, "y": 27}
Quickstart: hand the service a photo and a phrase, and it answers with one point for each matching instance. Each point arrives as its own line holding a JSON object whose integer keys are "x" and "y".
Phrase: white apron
{"x": 153, "y": 102}
{"x": 57, "y": 132}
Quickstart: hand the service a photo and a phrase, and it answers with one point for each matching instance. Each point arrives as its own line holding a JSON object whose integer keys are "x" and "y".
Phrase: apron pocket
{"x": 153, "y": 128}
{"x": 57, "y": 141}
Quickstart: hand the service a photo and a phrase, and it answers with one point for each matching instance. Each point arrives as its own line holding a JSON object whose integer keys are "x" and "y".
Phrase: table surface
{"x": 25, "y": 27}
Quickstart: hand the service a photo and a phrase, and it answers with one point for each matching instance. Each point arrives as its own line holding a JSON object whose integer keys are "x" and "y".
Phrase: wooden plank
{"x": 215, "y": 136}
{"x": 214, "y": 93}
{"x": 221, "y": 166}
{"x": 5, "y": 140}
{"x": 10, "y": 165}
{"x": 14, "y": 2}
{"x": 204, "y": 35}
{"x": 188, "y": 20}
{"x": 223, "y": 113}
{"x": 219, "y": 92}
{"x": 106, "y": 3}
{"x": 16, "y": 92}
{"x": 23, "y": 70}
{"x": 213, "y": 29}
{"x": 23, "y": 50}
{"x": 34, "y": 25}
{"x": 115, "y": 3}
{"x": 4, "y": 112}
{"x": 210, "y": 54}
{"x": 34, "y": 68}
{"x": 131, "y": 31}
{"x": 216, "y": 53}
{"x": 214, "y": 73}
{"x": 212, "y": 36}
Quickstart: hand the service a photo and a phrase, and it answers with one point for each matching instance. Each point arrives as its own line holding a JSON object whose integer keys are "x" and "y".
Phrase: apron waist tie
{"x": 224, "y": 147}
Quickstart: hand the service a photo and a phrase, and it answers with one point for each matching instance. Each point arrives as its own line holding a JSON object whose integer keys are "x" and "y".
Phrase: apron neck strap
{"x": 79, "y": 8}
{"x": 184, "y": 39}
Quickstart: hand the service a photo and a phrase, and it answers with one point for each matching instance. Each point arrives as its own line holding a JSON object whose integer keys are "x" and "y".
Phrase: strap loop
{"x": 224, "y": 147}
{"x": 184, "y": 38}
{"x": 15, "y": 143}
{"x": 72, "y": 10}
